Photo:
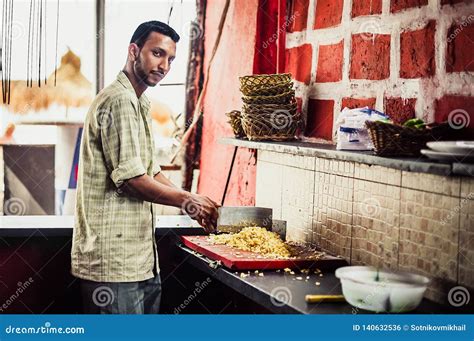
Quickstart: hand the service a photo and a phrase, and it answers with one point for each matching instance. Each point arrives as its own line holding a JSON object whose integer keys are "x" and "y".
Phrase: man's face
{"x": 155, "y": 58}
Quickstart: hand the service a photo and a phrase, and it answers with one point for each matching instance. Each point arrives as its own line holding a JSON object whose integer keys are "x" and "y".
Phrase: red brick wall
{"x": 364, "y": 7}
{"x": 330, "y": 63}
{"x": 298, "y": 7}
{"x": 409, "y": 58}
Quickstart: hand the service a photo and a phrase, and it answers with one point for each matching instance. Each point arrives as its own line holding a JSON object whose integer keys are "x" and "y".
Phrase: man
{"x": 114, "y": 250}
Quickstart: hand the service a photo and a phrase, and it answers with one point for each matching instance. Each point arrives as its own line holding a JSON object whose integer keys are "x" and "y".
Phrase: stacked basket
{"x": 269, "y": 111}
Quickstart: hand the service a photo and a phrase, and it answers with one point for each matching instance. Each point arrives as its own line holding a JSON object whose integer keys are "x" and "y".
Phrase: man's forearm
{"x": 147, "y": 188}
{"x": 161, "y": 178}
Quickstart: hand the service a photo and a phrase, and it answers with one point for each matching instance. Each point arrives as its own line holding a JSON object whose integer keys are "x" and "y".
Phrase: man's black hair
{"x": 143, "y": 31}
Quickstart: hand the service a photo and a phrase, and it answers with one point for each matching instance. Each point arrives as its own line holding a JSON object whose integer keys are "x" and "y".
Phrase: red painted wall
{"x": 234, "y": 58}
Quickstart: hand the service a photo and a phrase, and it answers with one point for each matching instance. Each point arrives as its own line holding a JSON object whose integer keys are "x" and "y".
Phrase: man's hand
{"x": 203, "y": 210}
{"x": 162, "y": 191}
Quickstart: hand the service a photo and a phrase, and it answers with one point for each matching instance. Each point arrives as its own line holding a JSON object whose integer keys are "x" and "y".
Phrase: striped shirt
{"x": 113, "y": 239}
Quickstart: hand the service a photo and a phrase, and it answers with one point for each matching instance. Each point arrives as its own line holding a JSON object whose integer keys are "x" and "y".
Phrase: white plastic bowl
{"x": 394, "y": 291}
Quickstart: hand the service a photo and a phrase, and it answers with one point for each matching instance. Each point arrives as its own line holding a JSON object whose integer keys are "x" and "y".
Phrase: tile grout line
{"x": 458, "y": 253}
{"x": 399, "y": 221}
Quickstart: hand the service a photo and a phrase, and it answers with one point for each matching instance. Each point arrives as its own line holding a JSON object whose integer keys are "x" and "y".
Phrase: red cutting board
{"x": 235, "y": 259}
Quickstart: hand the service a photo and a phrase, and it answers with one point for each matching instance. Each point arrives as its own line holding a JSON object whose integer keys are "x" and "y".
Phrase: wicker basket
{"x": 256, "y": 85}
{"x": 282, "y": 98}
{"x": 275, "y": 122}
{"x": 267, "y": 90}
{"x": 269, "y": 107}
{"x": 396, "y": 140}
{"x": 270, "y": 79}
{"x": 235, "y": 121}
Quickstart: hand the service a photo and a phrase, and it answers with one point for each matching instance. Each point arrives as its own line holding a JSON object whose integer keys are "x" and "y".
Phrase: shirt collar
{"x": 123, "y": 79}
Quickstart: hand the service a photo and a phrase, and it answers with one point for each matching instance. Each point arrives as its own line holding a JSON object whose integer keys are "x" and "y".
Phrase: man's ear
{"x": 133, "y": 51}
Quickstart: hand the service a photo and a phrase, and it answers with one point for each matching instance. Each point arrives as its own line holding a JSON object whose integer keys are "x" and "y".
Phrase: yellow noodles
{"x": 255, "y": 239}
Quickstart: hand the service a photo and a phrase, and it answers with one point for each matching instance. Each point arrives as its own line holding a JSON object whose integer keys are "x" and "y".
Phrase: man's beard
{"x": 140, "y": 73}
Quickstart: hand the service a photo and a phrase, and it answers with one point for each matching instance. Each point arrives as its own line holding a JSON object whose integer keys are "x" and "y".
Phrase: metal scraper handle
{"x": 324, "y": 298}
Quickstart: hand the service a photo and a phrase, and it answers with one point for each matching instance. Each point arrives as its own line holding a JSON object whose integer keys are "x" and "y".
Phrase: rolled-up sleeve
{"x": 119, "y": 128}
{"x": 156, "y": 167}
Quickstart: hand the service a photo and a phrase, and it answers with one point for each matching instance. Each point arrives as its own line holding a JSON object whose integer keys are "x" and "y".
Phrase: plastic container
{"x": 381, "y": 291}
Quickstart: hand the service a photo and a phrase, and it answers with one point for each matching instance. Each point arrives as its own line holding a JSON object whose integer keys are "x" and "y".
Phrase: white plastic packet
{"x": 351, "y": 133}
